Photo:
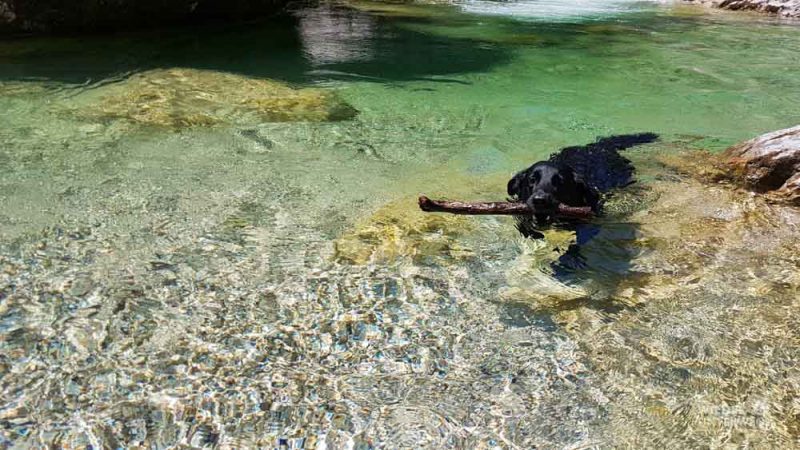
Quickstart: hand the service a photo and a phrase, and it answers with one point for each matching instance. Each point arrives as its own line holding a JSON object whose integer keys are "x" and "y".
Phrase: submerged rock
{"x": 178, "y": 98}
{"x": 785, "y": 8}
{"x": 769, "y": 163}
{"x": 399, "y": 229}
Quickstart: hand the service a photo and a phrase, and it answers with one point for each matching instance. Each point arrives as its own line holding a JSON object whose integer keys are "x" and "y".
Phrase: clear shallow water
{"x": 271, "y": 284}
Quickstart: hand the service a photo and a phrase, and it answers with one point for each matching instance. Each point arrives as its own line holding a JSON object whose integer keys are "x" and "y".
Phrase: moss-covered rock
{"x": 399, "y": 229}
{"x": 179, "y": 98}
{"x": 703, "y": 165}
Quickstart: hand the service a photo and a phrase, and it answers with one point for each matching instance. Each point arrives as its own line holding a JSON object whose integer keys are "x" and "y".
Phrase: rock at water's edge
{"x": 769, "y": 163}
{"x": 784, "y": 8}
{"x": 791, "y": 190}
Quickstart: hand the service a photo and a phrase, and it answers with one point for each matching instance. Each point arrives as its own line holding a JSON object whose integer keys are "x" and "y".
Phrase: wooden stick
{"x": 506, "y": 208}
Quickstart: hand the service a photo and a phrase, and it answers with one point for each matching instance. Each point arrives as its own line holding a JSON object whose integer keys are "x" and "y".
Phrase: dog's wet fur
{"x": 574, "y": 176}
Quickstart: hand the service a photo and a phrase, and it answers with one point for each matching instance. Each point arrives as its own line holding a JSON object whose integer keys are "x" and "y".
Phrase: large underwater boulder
{"x": 182, "y": 98}
{"x": 401, "y": 230}
{"x": 99, "y": 15}
{"x": 769, "y": 163}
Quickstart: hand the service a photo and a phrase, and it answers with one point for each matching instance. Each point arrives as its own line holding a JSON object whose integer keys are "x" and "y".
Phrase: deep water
{"x": 187, "y": 258}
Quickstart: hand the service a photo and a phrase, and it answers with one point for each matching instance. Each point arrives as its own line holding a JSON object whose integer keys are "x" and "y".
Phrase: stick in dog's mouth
{"x": 502, "y": 208}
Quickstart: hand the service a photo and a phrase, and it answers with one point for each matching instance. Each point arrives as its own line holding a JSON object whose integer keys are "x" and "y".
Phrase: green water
{"x": 270, "y": 285}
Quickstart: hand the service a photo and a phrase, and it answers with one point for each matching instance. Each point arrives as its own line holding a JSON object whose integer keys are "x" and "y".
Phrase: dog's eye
{"x": 536, "y": 177}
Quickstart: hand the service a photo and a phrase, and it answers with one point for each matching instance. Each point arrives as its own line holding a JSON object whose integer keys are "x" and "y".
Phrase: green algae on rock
{"x": 180, "y": 98}
{"x": 400, "y": 229}
{"x": 21, "y": 88}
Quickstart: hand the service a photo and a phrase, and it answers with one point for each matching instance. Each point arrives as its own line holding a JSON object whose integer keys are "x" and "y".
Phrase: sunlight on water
{"x": 554, "y": 10}
{"x": 211, "y": 240}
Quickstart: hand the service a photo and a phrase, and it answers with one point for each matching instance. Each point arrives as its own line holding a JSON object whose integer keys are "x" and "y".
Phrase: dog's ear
{"x": 514, "y": 185}
{"x": 568, "y": 174}
{"x": 590, "y": 195}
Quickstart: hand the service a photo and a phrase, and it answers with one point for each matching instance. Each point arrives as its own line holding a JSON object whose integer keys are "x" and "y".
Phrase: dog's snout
{"x": 541, "y": 199}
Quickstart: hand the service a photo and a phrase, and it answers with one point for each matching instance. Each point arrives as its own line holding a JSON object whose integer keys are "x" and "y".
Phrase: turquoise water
{"x": 270, "y": 284}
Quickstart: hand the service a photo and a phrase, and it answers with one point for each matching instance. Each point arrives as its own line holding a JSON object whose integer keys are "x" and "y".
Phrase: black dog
{"x": 575, "y": 176}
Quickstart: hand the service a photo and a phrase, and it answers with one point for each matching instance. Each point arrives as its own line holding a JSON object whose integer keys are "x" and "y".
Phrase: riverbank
{"x": 783, "y": 8}
{"x": 85, "y": 16}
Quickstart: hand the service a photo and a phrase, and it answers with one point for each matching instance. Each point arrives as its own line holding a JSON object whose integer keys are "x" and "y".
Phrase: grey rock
{"x": 784, "y": 8}
{"x": 791, "y": 189}
{"x": 769, "y": 163}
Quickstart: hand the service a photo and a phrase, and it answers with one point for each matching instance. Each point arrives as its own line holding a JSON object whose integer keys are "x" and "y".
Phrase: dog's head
{"x": 545, "y": 184}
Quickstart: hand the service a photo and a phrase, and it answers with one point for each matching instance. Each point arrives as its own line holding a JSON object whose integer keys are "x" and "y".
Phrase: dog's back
{"x": 599, "y": 164}
{"x": 576, "y": 176}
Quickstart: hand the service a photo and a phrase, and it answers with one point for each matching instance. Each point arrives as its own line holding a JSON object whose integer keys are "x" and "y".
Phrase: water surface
{"x": 270, "y": 284}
